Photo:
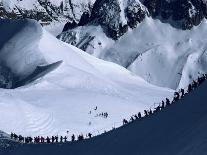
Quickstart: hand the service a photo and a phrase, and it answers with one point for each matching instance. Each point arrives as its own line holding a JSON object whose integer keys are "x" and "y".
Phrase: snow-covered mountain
{"x": 118, "y": 31}
{"x": 161, "y": 54}
{"x": 65, "y": 98}
{"x": 149, "y": 38}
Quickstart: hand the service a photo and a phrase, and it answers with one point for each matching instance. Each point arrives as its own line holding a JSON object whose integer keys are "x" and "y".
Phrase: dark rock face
{"x": 70, "y": 25}
{"x": 135, "y": 14}
{"x": 107, "y": 14}
{"x": 85, "y": 19}
{"x": 183, "y": 14}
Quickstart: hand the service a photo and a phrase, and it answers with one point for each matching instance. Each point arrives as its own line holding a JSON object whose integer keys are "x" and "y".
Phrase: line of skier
{"x": 177, "y": 96}
{"x": 53, "y": 139}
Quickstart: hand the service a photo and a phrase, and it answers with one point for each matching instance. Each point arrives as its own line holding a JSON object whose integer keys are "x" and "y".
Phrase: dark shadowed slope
{"x": 179, "y": 129}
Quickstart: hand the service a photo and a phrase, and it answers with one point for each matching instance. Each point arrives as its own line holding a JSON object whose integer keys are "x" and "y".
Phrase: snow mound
{"x": 19, "y": 51}
{"x": 65, "y": 98}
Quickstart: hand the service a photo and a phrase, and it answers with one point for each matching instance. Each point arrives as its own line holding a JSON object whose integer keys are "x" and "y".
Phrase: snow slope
{"x": 162, "y": 55}
{"x": 63, "y": 99}
{"x": 178, "y": 129}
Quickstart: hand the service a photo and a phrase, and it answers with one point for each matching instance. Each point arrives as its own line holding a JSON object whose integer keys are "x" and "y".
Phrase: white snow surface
{"x": 164, "y": 56}
{"x": 63, "y": 99}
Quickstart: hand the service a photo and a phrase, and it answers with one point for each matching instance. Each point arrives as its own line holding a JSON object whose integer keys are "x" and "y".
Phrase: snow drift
{"x": 64, "y": 100}
{"x": 19, "y": 50}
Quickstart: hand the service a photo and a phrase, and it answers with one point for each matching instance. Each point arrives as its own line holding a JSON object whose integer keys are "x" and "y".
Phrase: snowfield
{"x": 65, "y": 98}
{"x": 177, "y": 129}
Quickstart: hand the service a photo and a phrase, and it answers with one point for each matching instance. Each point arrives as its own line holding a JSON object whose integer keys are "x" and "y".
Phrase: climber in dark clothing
{"x": 163, "y": 105}
{"x": 15, "y": 136}
{"x": 200, "y": 80}
{"x": 42, "y": 139}
{"x": 65, "y": 139}
{"x": 95, "y": 108}
{"x": 12, "y": 135}
{"x": 167, "y": 102}
{"x": 139, "y": 115}
{"x": 132, "y": 119}
{"x": 89, "y": 135}
{"x": 125, "y": 121}
{"x": 182, "y": 92}
{"x": 48, "y": 139}
{"x": 176, "y": 96}
{"x": 194, "y": 85}
{"x": 61, "y": 139}
{"x": 150, "y": 112}
{"x": 189, "y": 88}
{"x": 145, "y": 112}
{"x": 80, "y": 137}
{"x": 53, "y": 139}
{"x": 56, "y": 139}
{"x": 73, "y": 138}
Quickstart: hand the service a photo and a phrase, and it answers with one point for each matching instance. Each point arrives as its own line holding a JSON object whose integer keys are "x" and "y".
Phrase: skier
{"x": 150, "y": 112}
{"x": 96, "y": 108}
{"x": 89, "y": 135}
{"x": 167, "y": 102}
{"x": 176, "y": 96}
{"x": 182, "y": 92}
{"x": 132, "y": 119}
{"x": 73, "y": 138}
{"x": 12, "y": 135}
{"x": 42, "y": 139}
{"x": 145, "y": 112}
{"x": 30, "y": 139}
{"x": 56, "y": 139}
{"x": 48, "y": 139}
{"x": 163, "y": 105}
{"x": 139, "y": 115}
{"x": 125, "y": 121}
{"x": 65, "y": 139}
{"x": 194, "y": 85}
{"x": 189, "y": 88}
{"x": 53, "y": 139}
{"x": 61, "y": 139}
